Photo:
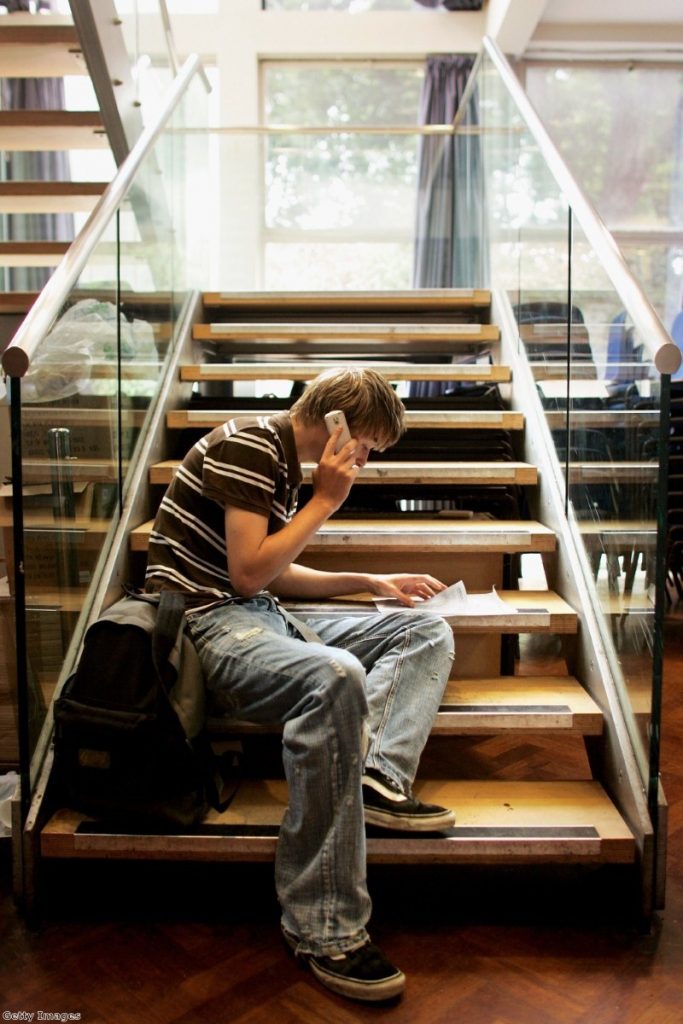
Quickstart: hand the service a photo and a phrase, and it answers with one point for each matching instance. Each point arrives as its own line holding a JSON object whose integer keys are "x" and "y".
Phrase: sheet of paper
{"x": 454, "y": 600}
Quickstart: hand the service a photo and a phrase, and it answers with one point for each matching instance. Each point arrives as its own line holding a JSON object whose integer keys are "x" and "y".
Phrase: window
{"x": 340, "y": 204}
{"x": 352, "y": 6}
{"x": 621, "y": 131}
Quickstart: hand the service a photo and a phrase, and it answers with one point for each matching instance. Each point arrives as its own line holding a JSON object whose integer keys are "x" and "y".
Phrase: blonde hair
{"x": 368, "y": 401}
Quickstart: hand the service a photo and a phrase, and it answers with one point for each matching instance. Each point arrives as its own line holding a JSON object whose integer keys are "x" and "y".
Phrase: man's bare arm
{"x": 255, "y": 557}
{"x": 300, "y": 581}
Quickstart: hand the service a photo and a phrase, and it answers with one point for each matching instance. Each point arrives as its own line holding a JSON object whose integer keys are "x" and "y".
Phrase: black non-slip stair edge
{"x": 560, "y": 832}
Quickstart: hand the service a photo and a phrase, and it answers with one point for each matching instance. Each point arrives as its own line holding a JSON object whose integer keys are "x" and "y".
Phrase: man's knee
{"x": 342, "y": 678}
{"x": 435, "y": 631}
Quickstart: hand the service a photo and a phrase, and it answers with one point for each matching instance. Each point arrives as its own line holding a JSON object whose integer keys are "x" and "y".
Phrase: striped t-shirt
{"x": 248, "y": 462}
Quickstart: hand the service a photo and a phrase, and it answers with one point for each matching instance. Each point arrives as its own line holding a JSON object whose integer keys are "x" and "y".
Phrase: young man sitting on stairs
{"x": 356, "y": 695}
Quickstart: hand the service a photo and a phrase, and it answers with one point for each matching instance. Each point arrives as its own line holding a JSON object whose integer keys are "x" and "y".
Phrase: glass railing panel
{"x": 84, "y": 403}
{"x": 604, "y": 399}
{"x": 612, "y": 425}
{"x": 70, "y": 467}
{"x": 529, "y": 231}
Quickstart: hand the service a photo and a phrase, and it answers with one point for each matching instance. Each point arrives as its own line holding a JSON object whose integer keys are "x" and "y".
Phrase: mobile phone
{"x": 335, "y": 419}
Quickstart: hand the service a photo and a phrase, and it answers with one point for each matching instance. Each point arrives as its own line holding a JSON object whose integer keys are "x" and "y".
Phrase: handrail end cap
{"x": 668, "y": 358}
{"x": 15, "y": 361}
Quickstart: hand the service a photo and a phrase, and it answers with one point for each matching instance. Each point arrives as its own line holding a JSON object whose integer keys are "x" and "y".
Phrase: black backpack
{"x": 130, "y": 745}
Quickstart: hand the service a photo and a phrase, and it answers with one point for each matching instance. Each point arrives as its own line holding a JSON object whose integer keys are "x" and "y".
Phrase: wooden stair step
{"x": 42, "y": 130}
{"x": 446, "y": 419}
{"x": 612, "y": 419}
{"x": 452, "y": 333}
{"x": 342, "y": 349}
{"x": 49, "y": 196}
{"x": 39, "y": 46}
{"x": 81, "y": 416}
{"x": 44, "y": 520}
{"x": 553, "y": 334}
{"x": 531, "y": 611}
{"x": 422, "y": 300}
{"x": 413, "y": 535}
{"x": 480, "y": 707}
{"x": 55, "y": 599}
{"x": 547, "y": 370}
{"x": 407, "y": 473}
{"x": 32, "y": 254}
{"x": 304, "y": 370}
{"x": 38, "y": 470}
{"x": 517, "y": 703}
{"x": 16, "y": 303}
{"x": 496, "y": 823}
{"x": 619, "y": 536}
{"x": 613, "y": 472}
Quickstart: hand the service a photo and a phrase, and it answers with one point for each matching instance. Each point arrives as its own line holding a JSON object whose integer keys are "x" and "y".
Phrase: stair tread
{"x": 530, "y": 611}
{"x": 616, "y": 419}
{"x": 58, "y": 130}
{"x": 305, "y": 370}
{"x": 496, "y": 822}
{"x": 452, "y": 332}
{"x": 517, "y": 702}
{"x": 414, "y": 472}
{"x": 414, "y": 535}
{"x": 617, "y": 472}
{"x": 35, "y": 24}
{"x": 483, "y": 706}
{"x": 454, "y": 419}
{"x": 32, "y": 254}
{"x": 17, "y": 302}
{"x": 44, "y": 47}
{"x": 49, "y": 196}
{"x": 418, "y": 299}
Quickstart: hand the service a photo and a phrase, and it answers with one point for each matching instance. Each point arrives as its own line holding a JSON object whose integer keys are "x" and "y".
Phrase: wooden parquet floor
{"x": 187, "y": 944}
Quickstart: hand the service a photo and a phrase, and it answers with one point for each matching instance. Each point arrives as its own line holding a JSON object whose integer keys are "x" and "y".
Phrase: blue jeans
{"x": 373, "y": 674}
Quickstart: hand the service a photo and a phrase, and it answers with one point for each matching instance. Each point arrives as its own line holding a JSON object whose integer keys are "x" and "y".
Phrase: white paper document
{"x": 454, "y": 600}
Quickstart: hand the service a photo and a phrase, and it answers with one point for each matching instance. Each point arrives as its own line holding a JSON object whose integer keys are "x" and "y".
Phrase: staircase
{"x": 40, "y": 46}
{"x": 509, "y": 746}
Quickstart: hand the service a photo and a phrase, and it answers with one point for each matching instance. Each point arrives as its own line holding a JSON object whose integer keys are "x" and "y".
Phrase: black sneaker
{"x": 363, "y": 973}
{"x": 387, "y": 805}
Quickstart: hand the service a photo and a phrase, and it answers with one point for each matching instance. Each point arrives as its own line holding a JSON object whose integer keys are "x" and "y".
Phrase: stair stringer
{"x": 594, "y": 661}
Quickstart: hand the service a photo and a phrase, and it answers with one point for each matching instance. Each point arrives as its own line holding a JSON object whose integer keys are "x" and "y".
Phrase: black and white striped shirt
{"x": 248, "y": 462}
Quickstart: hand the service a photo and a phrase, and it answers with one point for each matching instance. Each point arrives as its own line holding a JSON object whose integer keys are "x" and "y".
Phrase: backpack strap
{"x": 169, "y": 617}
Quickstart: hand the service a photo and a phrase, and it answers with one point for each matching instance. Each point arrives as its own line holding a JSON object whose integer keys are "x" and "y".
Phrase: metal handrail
{"x": 17, "y": 357}
{"x": 173, "y": 58}
{"x": 666, "y": 356}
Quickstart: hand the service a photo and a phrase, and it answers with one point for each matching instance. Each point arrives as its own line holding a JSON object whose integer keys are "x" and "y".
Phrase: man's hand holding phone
{"x": 334, "y": 420}
{"x": 336, "y": 472}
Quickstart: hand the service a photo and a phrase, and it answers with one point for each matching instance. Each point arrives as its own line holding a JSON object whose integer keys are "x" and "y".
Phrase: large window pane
{"x": 621, "y": 131}
{"x": 353, "y": 6}
{"x": 340, "y": 205}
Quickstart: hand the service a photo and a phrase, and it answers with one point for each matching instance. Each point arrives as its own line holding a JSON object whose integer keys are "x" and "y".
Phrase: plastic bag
{"x": 84, "y": 336}
{"x": 9, "y": 785}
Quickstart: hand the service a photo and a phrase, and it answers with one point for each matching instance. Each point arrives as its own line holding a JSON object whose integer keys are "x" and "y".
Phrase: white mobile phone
{"x": 335, "y": 419}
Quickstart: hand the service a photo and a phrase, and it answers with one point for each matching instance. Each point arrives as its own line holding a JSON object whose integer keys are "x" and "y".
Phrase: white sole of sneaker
{"x": 364, "y": 991}
{"x": 409, "y": 823}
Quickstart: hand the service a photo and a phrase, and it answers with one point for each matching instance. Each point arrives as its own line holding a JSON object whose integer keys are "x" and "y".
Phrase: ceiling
{"x": 622, "y": 28}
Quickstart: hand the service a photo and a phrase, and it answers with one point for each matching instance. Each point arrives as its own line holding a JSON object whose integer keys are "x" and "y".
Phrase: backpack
{"x": 130, "y": 743}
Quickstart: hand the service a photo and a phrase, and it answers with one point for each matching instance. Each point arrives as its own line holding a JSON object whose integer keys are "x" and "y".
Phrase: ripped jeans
{"x": 377, "y": 674}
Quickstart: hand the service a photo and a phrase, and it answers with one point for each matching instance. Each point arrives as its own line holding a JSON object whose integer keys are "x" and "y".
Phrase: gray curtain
{"x": 449, "y": 235}
{"x": 448, "y": 247}
{"x": 32, "y": 94}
